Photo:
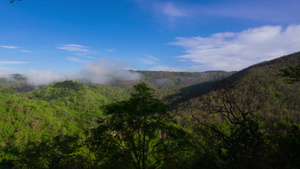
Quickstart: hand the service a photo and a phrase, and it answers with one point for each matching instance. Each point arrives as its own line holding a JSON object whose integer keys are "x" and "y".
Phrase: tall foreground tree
{"x": 138, "y": 133}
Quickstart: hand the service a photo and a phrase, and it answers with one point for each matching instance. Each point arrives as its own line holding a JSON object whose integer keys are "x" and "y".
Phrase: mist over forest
{"x": 103, "y": 117}
{"x": 102, "y": 71}
{"x": 149, "y": 84}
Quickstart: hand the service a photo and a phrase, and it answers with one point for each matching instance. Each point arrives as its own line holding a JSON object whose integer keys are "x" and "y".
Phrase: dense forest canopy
{"x": 105, "y": 116}
{"x": 245, "y": 119}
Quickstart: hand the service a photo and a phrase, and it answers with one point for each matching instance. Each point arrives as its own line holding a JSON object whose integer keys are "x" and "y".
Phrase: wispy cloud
{"x": 26, "y": 51}
{"x": 170, "y": 10}
{"x": 279, "y": 12}
{"x": 166, "y": 68}
{"x": 14, "y": 47}
{"x": 235, "y": 51}
{"x": 110, "y": 50}
{"x": 89, "y": 57}
{"x": 8, "y": 47}
{"x": 73, "y": 59}
{"x": 74, "y": 48}
{"x": 149, "y": 60}
{"x": 11, "y": 62}
{"x": 78, "y": 50}
{"x": 152, "y": 57}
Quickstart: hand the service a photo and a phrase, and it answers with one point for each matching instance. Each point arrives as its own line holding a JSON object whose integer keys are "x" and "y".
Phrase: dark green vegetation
{"x": 291, "y": 73}
{"x": 247, "y": 119}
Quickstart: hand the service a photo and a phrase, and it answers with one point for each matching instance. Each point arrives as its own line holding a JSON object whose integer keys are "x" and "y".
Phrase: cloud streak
{"x": 9, "y": 47}
{"x": 14, "y": 47}
{"x": 78, "y": 50}
{"x": 73, "y": 59}
{"x": 277, "y": 12}
{"x": 110, "y": 50}
{"x": 73, "y": 48}
{"x": 150, "y": 60}
{"x": 167, "y": 68}
{"x": 170, "y": 10}
{"x": 26, "y": 51}
{"x": 235, "y": 51}
{"x": 11, "y": 62}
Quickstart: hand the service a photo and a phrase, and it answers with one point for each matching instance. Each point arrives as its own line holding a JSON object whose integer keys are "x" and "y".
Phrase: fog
{"x": 101, "y": 71}
{"x": 4, "y": 74}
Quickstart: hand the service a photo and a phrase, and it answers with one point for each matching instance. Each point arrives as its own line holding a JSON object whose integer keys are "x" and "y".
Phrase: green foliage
{"x": 66, "y": 108}
{"x": 138, "y": 132}
{"x": 291, "y": 73}
{"x": 251, "y": 122}
{"x": 58, "y": 152}
{"x": 236, "y": 140}
{"x": 284, "y": 145}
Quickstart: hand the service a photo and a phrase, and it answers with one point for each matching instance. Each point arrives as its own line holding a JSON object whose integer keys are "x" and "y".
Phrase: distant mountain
{"x": 170, "y": 83}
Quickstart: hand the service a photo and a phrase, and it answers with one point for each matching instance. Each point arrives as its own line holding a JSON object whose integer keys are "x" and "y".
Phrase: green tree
{"x": 291, "y": 73}
{"x": 234, "y": 137}
{"x": 138, "y": 133}
{"x": 284, "y": 145}
{"x": 61, "y": 151}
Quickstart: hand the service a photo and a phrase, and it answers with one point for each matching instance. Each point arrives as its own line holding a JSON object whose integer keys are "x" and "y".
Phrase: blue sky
{"x": 67, "y": 36}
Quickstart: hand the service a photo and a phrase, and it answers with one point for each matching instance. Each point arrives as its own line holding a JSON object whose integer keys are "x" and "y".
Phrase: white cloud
{"x": 150, "y": 60}
{"x": 37, "y": 78}
{"x": 104, "y": 71}
{"x": 4, "y": 74}
{"x": 234, "y": 51}
{"x": 11, "y": 62}
{"x": 73, "y": 59}
{"x": 101, "y": 71}
{"x": 171, "y": 11}
{"x": 78, "y": 50}
{"x": 152, "y": 57}
{"x": 270, "y": 12}
{"x": 9, "y": 47}
{"x": 110, "y": 50}
{"x": 89, "y": 57}
{"x": 74, "y": 48}
{"x": 166, "y": 68}
{"x": 147, "y": 61}
{"x": 26, "y": 51}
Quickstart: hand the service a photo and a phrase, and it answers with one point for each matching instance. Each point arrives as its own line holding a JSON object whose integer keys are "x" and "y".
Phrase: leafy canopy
{"x": 139, "y": 131}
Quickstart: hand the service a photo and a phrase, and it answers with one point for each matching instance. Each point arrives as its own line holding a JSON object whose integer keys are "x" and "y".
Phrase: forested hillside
{"x": 248, "y": 120}
{"x": 245, "y": 119}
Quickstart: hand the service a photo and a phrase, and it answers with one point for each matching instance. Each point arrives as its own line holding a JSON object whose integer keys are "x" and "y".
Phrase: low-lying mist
{"x": 4, "y": 74}
{"x": 99, "y": 72}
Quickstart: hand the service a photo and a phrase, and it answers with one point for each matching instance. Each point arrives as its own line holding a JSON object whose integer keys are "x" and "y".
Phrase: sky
{"x": 50, "y": 38}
